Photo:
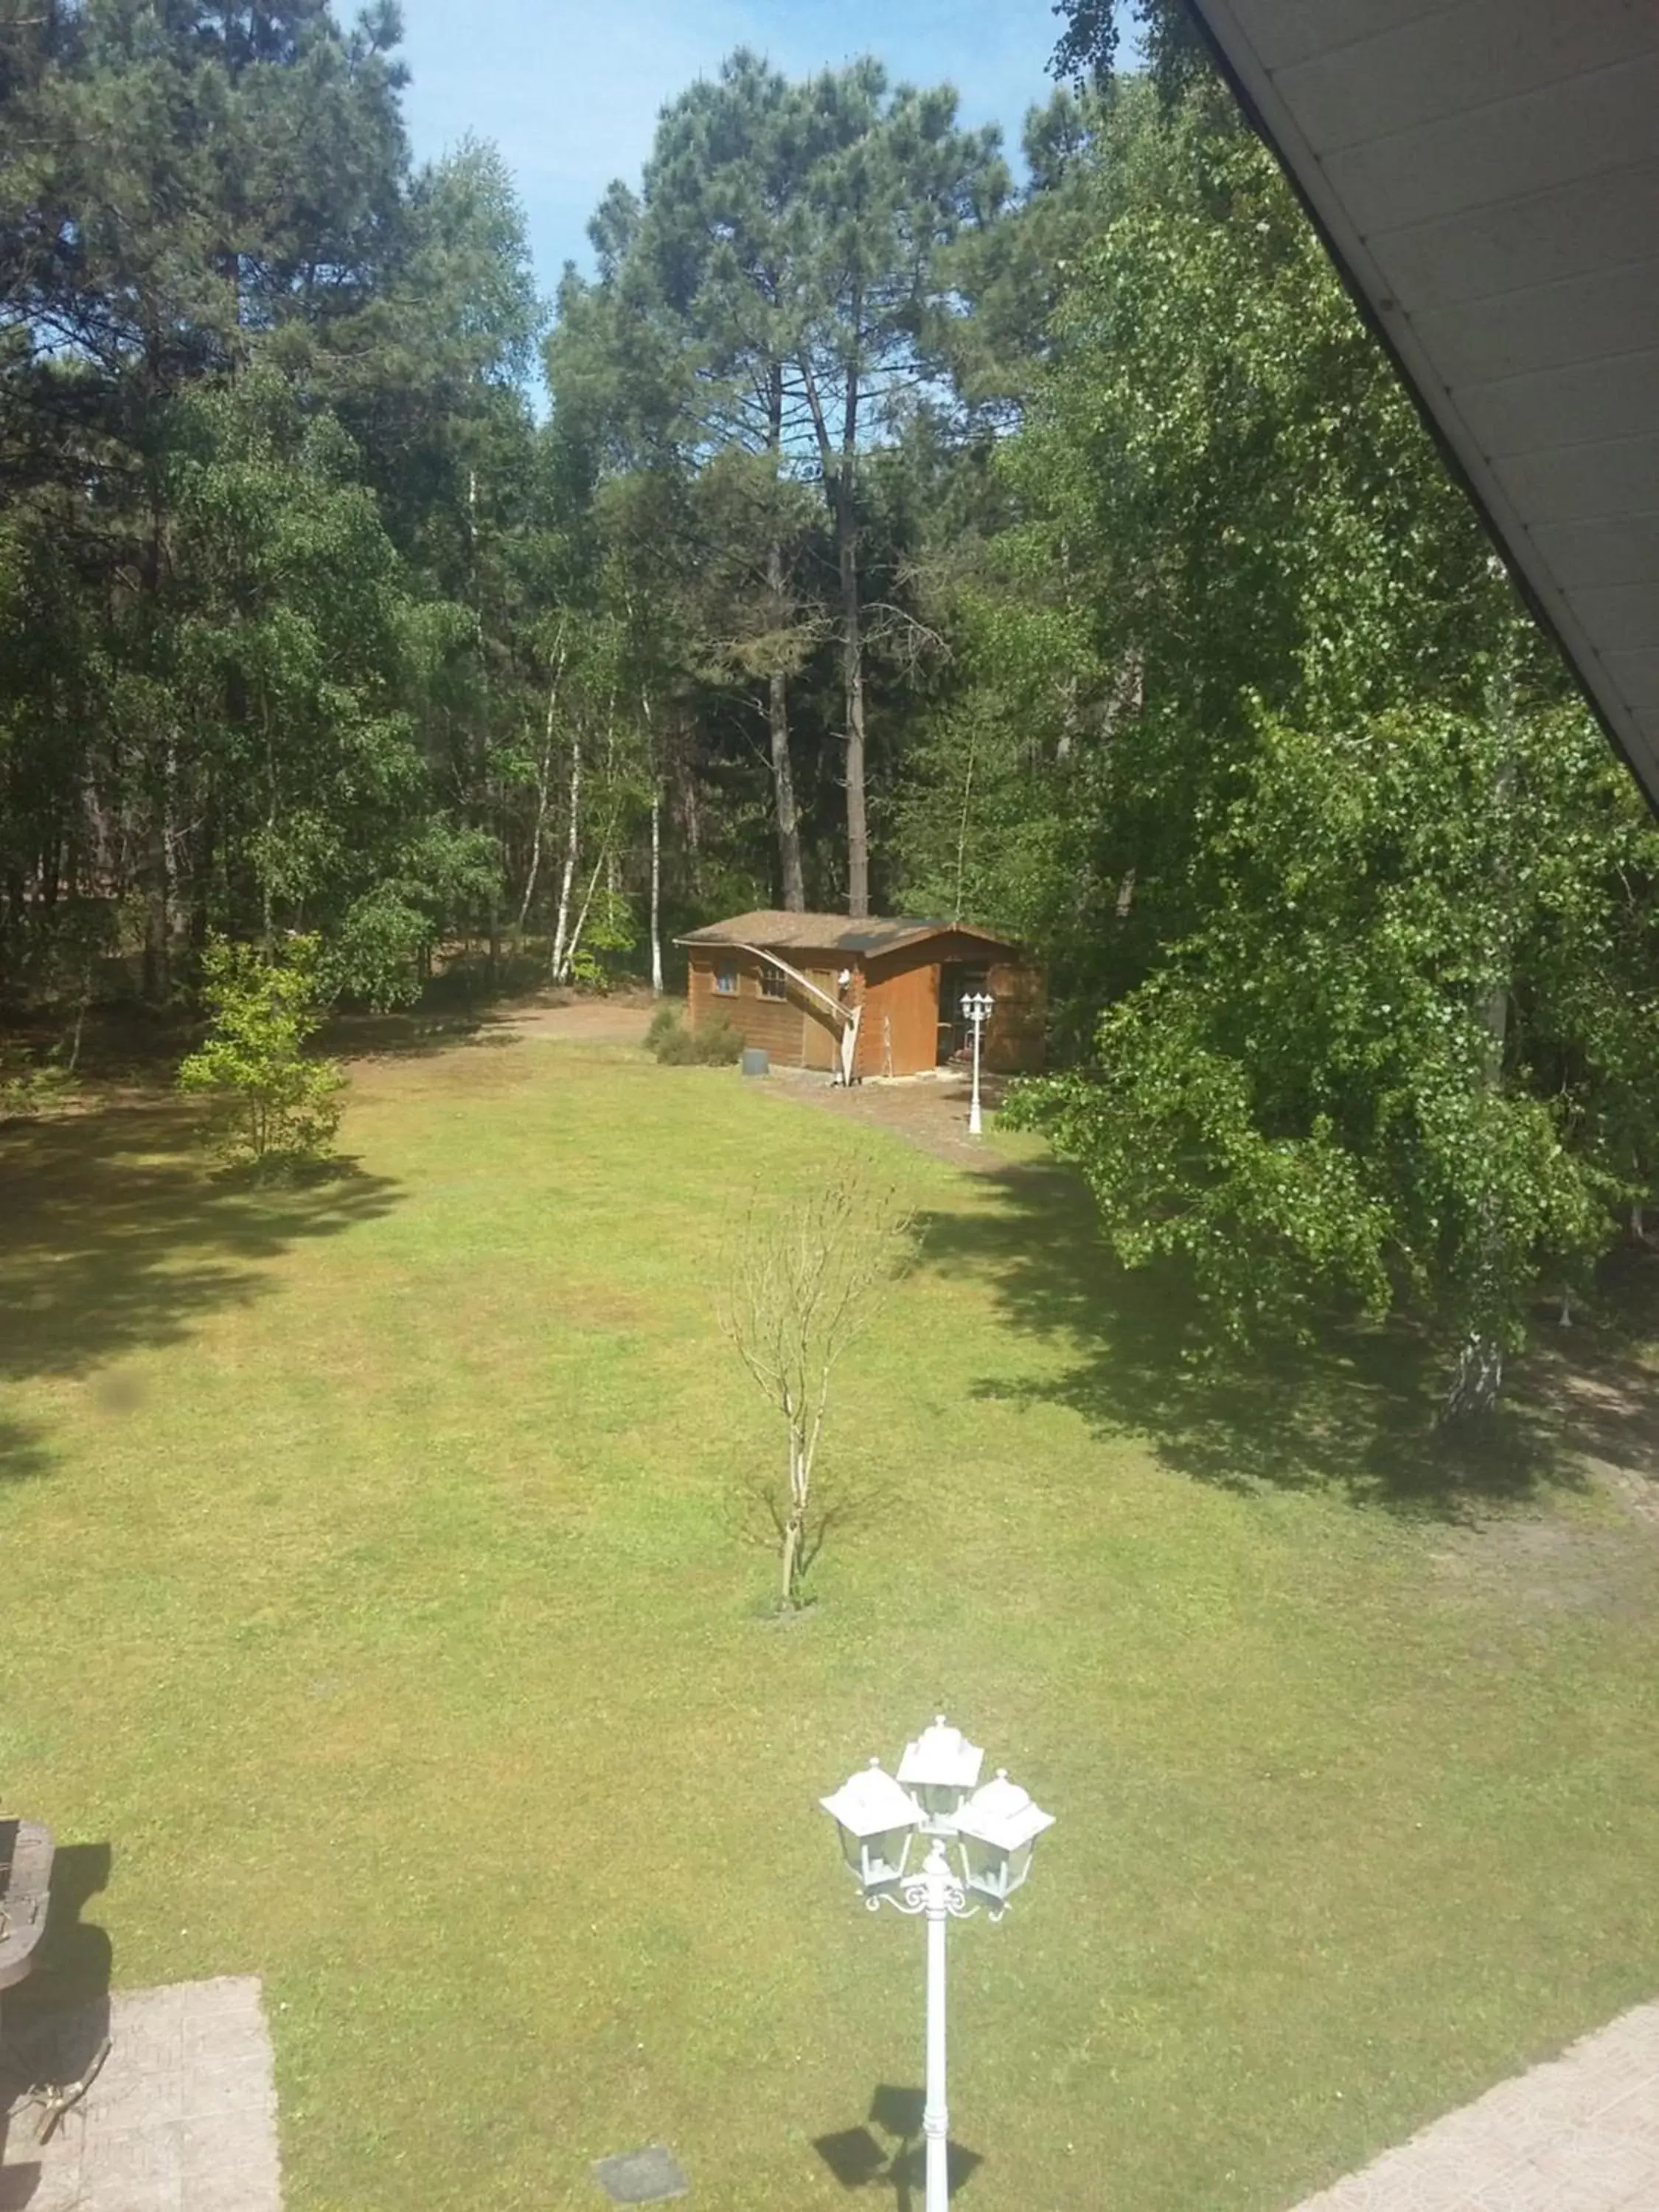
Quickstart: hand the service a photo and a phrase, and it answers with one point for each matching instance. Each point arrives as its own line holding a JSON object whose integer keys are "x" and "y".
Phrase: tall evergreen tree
{"x": 787, "y": 260}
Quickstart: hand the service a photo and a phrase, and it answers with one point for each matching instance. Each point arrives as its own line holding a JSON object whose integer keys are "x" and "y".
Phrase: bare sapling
{"x": 805, "y": 1278}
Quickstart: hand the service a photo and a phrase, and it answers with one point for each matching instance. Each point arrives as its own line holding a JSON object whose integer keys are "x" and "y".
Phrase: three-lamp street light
{"x": 981, "y": 1838}
{"x": 977, "y": 1010}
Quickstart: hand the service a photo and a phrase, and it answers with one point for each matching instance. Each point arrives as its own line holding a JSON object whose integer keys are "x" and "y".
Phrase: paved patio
{"x": 181, "y": 2119}
{"x": 1580, "y": 2134}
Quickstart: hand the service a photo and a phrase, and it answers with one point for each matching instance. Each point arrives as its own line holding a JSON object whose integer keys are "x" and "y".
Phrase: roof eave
{"x": 1234, "y": 54}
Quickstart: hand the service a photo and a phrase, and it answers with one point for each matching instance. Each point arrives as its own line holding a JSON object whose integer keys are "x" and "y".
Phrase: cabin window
{"x": 726, "y": 979}
{"x": 774, "y": 984}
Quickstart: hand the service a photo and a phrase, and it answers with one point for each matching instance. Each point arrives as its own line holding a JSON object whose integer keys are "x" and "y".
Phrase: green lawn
{"x": 376, "y": 1587}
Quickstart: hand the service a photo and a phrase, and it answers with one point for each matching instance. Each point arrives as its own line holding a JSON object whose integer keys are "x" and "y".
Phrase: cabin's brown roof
{"x": 830, "y": 932}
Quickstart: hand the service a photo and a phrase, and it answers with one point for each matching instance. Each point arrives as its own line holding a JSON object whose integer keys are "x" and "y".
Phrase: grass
{"x": 377, "y": 1594}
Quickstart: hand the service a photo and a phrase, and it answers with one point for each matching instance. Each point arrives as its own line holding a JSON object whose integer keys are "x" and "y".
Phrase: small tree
{"x": 274, "y": 1106}
{"x": 805, "y": 1280}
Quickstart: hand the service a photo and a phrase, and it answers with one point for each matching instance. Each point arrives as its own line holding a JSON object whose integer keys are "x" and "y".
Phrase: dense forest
{"x": 1054, "y": 551}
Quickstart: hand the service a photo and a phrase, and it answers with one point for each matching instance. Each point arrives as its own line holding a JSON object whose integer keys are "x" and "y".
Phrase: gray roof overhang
{"x": 1486, "y": 174}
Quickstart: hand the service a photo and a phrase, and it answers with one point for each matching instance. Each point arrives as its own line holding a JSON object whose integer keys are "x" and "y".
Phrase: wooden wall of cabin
{"x": 820, "y": 1047}
{"x": 1015, "y": 1033}
{"x": 900, "y": 992}
{"x": 1014, "y": 1039}
{"x": 777, "y": 1025}
{"x": 901, "y": 1006}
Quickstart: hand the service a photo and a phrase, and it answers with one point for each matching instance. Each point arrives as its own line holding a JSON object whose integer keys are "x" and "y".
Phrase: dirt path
{"x": 928, "y": 1111}
{"x": 621, "y": 1018}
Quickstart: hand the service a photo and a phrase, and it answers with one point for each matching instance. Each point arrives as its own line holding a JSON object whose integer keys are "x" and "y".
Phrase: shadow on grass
{"x": 416, "y": 1034}
{"x": 754, "y": 1514}
{"x": 23, "y": 1455}
{"x": 887, "y": 2153}
{"x": 117, "y": 1236}
{"x": 1354, "y": 1412}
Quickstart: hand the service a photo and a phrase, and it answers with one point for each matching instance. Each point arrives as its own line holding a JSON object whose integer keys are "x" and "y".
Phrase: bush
{"x": 715, "y": 1045}
{"x": 665, "y": 1023}
{"x": 608, "y": 934}
{"x": 274, "y": 1107}
{"x": 30, "y": 1089}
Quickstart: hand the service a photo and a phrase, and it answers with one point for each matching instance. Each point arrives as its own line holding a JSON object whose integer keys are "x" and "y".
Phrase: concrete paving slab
{"x": 181, "y": 2119}
{"x": 651, "y": 2176}
{"x": 1579, "y": 2134}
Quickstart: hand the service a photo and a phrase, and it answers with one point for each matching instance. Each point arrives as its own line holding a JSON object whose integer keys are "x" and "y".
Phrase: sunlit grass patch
{"x": 375, "y": 1585}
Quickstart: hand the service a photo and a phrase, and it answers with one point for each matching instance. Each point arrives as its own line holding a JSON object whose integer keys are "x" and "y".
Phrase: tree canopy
{"x": 1058, "y": 554}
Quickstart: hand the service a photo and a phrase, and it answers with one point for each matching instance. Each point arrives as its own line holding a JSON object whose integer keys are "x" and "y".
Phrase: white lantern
{"x": 877, "y": 1820}
{"x": 998, "y": 1826}
{"x": 940, "y": 1768}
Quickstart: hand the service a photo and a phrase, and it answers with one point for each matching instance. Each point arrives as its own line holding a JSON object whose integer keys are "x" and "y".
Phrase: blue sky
{"x": 570, "y": 89}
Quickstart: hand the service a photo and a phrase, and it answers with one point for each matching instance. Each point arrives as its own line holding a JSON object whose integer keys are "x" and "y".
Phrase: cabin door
{"x": 955, "y": 979}
{"x": 820, "y": 1031}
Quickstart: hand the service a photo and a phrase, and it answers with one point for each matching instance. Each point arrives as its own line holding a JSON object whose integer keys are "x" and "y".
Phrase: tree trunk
{"x": 656, "y": 887}
{"x": 560, "y": 950}
{"x": 158, "y": 884}
{"x": 777, "y": 687}
{"x": 158, "y": 828}
{"x": 267, "y": 909}
{"x": 962, "y": 826}
{"x": 783, "y": 786}
{"x": 581, "y": 919}
{"x": 846, "y": 548}
{"x": 544, "y": 786}
{"x": 1480, "y": 1377}
{"x": 794, "y": 1522}
{"x": 841, "y": 490}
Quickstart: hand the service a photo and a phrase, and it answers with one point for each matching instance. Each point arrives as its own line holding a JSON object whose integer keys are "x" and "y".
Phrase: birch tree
{"x": 1361, "y": 907}
{"x": 804, "y": 1281}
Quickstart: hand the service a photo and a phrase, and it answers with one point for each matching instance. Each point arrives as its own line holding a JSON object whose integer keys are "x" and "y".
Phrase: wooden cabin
{"x": 819, "y": 990}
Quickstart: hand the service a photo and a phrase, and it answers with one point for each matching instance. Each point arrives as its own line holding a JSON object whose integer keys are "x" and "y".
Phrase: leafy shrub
{"x": 609, "y": 934}
{"x": 275, "y": 1107}
{"x": 665, "y": 1023}
{"x": 715, "y": 1045}
{"x": 718, "y": 1044}
{"x": 29, "y": 1089}
{"x": 374, "y": 955}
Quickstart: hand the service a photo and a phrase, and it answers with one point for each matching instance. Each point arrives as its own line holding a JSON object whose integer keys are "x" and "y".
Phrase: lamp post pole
{"x": 936, "y": 1893}
{"x": 943, "y": 1892}
{"x": 976, "y": 1008}
{"x": 991, "y": 1828}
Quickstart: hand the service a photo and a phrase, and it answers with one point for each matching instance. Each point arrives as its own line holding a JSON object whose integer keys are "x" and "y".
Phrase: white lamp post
{"x": 993, "y": 1829}
{"x": 977, "y": 1008}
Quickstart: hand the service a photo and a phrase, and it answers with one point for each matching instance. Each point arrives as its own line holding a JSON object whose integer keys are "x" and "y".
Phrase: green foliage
{"x": 1307, "y": 1101}
{"x": 245, "y": 426}
{"x": 31, "y": 1089}
{"x": 766, "y": 308}
{"x": 275, "y": 1106}
{"x": 663, "y": 1023}
{"x": 1087, "y": 526}
{"x": 718, "y": 1044}
{"x": 609, "y": 934}
{"x": 1171, "y": 46}
{"x": 715, "y": 1044}
{"x": 1346, "y": 908}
